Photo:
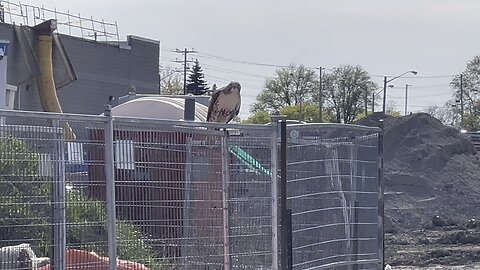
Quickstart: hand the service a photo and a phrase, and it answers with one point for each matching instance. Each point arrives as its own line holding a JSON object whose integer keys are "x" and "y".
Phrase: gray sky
{"x": 434, "y": 37}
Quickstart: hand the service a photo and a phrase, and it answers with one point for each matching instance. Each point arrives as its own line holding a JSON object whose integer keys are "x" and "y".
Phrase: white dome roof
{"x": 158, "y": 108}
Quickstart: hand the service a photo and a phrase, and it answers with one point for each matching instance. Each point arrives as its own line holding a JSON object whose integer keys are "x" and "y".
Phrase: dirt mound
{"x": 430, "y": 169}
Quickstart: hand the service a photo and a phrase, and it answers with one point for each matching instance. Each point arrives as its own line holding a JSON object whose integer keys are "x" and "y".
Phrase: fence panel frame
{"x": 110, "y": 189}
{"x": 280, "y": 242}
{"x": 354, "y": 259}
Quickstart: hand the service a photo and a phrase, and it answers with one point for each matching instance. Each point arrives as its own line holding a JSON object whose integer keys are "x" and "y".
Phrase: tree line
{"x": 345, "y": 93}
{"x": 171, "y": 82}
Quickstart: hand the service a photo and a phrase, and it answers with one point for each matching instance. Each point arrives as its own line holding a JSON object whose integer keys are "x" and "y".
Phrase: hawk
{"x": 224, "y": 103}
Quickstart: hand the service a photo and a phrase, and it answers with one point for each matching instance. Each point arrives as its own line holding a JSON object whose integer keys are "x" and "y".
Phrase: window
{"x": 75, "y": 152}
{"x": 124, "y": 155}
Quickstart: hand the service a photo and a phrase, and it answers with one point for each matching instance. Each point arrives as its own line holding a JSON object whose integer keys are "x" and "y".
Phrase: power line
{"x": 220, "y": 58}
{"x": 226, "y": 59}
{"x": 425, "y": 86}
{"x": 222, "y": 80}
{"x": 226, "y": 70}
{"x": 417, "y": 77}
{"x": 235, "y": 73}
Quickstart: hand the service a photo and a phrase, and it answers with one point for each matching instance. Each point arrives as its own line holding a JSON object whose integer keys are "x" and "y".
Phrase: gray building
{"x": 102, "y": 69}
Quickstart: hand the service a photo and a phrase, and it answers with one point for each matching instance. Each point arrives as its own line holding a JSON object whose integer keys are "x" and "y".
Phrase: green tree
{"x": 292, "y": 85}
{"x": 196, "y": 83}
{"x": 25, "y": 211}
{"x": 346, "y": 88}
{"x": 258, "y": 118}
{"x": 310, "y": 113}
{"x": 471, "y": 122}
{"x": 171, "y": 82}
{"x": 469, "y": 80}
{"x": 22, "y": 195}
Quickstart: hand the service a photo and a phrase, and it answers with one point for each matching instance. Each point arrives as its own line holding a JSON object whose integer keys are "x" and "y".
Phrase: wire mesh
{"x": 332, "y": 190}
{"x": 249, "y": 201}
{"x": 187, "y": 195}
{"x": 192, "y": 192}
{"x": 45, "y": 208}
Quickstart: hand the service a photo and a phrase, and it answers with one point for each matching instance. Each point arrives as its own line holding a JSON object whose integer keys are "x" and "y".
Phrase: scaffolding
{"x": 67, "y": 23}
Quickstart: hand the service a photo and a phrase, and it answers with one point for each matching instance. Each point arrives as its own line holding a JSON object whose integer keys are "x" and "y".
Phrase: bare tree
{"x": 171, "y": 82}
{"x": 440, "y": 113}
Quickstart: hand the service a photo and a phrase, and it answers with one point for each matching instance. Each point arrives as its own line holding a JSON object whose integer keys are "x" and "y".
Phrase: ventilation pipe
{"x": 45, "y": 81}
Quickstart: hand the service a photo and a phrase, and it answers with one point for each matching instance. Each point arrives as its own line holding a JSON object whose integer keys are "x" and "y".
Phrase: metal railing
{"x": 163, "y": 194}
{"x": 67, "y": 23}
{"x": 474, "y": 137}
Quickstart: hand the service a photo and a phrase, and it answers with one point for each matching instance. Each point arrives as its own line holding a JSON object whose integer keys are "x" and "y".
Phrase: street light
{"x": 386, "y": 80}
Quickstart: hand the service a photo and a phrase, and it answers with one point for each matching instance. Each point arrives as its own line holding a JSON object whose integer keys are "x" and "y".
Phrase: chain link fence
{"x": 159, "y": 194}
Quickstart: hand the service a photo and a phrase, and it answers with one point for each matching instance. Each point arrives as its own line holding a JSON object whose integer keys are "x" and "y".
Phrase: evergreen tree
{"x": 196, "y": 83}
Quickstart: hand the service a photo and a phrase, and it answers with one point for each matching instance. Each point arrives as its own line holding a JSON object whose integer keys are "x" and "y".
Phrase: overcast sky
{"x": 434, "y": 37}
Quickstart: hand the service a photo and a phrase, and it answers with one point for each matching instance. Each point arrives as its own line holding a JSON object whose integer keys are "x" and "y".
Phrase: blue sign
{"x": 4, "y": 47}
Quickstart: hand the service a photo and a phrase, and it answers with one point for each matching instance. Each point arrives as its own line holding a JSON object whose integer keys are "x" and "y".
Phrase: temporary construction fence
{"x": 333, "y": 194}
{"x": 158, "y": 194}
{"x": 474, "y": 137}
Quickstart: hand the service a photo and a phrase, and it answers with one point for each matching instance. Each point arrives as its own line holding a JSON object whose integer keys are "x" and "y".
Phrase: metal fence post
{"x": 355, "y": 235}
{"x": 381, "y": 202}
{"x": 279, "y": 192}
{"x": 187, "y": 202}
{"x": 225, "y": 206}
{"x": 59, "y": 200}
{"x": 286, "y": 222}
{"x": 110, "y": 189}
{"x": 274, "y": 191}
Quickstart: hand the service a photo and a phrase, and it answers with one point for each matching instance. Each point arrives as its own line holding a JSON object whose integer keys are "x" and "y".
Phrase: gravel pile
{"x": 432, "y": 173}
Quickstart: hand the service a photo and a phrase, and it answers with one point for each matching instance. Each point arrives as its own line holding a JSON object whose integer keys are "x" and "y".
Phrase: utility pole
{"x": 384, "y": 94}
{"x": 185, "y": 52}
{"x": 373, "y": 102}
{"x": 406, "y": 96}
{"x": 385, "y": 81}
{"x": 320, "y": 98}
{"x": 461, "y": 100}
{"x": 366, "y": 100}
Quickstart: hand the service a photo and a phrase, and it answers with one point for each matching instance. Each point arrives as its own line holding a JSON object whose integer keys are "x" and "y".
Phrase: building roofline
{"x": 143, "y": 39}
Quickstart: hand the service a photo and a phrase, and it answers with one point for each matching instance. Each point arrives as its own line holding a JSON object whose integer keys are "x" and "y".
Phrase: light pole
{"x": 380, "y": 176}
{"x": 386, "y": 80}
{"x": 377, "y": 94}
